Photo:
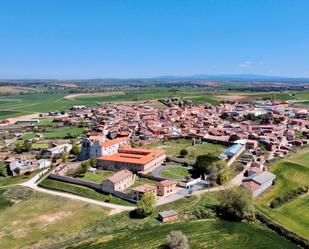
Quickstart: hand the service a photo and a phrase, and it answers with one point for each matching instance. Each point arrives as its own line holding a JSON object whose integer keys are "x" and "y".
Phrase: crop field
{"x": 31, "y": 219}
{"x": 13, "y": 106}
{"x": 293, "y": 215}
{"x": 201, "y": 234}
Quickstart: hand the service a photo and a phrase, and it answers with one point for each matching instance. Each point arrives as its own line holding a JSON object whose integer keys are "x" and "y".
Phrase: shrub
{"x": 290, "y": 195}
{"x": 236, "y": 204}
{"x": 177, "y": 240}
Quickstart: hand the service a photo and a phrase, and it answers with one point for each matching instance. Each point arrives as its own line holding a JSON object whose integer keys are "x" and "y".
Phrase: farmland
{"x": 57, "y": 133}
{"x": 290, "y": 174}
{"x": 13, "y": 106}
{"x": 201, "y": 234}
{"x": 33, "y": 219}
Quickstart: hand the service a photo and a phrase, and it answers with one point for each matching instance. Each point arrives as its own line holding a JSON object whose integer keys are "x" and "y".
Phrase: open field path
{"x": 32, "y": 183}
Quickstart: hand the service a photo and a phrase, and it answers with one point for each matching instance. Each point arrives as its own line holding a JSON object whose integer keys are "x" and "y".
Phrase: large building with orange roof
{"x": 133, "y": 159}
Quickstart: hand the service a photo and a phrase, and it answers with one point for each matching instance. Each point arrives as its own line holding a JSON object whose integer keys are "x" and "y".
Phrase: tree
{"x": 64, "y": 157}
{"x": 218, "y": 172}
{"x": 183, "y": 153}
{"x": 177, "y": 240}
{"x": 75, "y": 149}
{"x": 146, "y": 205}
{"x": 236, "y": 204}
{"x": 92, "y": 162}
{"x": 203, "y": 163}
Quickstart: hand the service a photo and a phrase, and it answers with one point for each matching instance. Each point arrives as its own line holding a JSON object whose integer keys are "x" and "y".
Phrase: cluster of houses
{"x": 271, "y": 133}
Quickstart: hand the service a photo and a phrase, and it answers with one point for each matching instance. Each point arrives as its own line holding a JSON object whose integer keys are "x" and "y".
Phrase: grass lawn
{"x": 202, "y": 149}
{"x": 301, "y": 158}
{"x": 9, "y": 180}
{"x": 174, "y": 172}
{"x": 45, "y": 121}
{"x": 293, "y": 215}
{"x": 201, "y": 234}
{"x": 173, "y": 147}
{"x": 34, "y": 219}
{"x": 82, "y": 191}
{"x": 140, "y": 181}
{"x": 98, "y": 177}
{"x": 40, "y": 146}
{"x": 63, "y": 132}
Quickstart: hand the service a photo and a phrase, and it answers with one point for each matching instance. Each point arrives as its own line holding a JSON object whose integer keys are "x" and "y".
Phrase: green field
{"x": 13, "y": 106}
{"x": 40, "y": 146}
{"x": 201, "y": 234}
{"x": 9, "y": 180}
{"x": 82, "y": 191}
{"x": 293, "y": 215}
{"x": 97, "y": 177}
{"x": 173, "y": 147}
{"x": 57, "y": 133}
{"x": 36, "y": 219}
{"x": 177, "y": 172}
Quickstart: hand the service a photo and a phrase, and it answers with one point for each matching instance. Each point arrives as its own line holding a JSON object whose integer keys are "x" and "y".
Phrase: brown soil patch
{"x": 102, "y": 94}
{"x": 232, "y": 97}
{"x": 67, "y": 85}
{"x": 50, "y": 219}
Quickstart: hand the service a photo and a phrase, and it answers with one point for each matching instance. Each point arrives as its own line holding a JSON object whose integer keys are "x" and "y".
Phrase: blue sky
{"x": 142, "y": 38}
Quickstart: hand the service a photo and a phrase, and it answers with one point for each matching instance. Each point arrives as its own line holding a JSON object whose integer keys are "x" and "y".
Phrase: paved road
{"x": 32, "y": 183}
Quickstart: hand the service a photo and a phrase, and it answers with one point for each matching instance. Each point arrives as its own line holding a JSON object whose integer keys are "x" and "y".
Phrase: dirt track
{"x": 101, "y": 94}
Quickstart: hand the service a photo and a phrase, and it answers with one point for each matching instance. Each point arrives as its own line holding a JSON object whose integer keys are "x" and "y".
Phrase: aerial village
{"x": 116, "y": 143}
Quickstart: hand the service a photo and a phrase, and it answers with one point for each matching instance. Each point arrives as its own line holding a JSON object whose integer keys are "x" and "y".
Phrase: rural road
{"x": 32, "y": 183}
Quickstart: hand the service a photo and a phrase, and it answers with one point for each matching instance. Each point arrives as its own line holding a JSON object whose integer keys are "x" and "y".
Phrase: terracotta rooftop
{"x": 144, "y": 188}
{"x": 114, "y": 141}
{"x": 118, "y": 176}
{"x": 166, "y": 183}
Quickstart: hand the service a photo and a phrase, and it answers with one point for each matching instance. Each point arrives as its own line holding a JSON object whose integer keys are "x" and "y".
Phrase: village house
{"x": 166, "y": 187}
{"x": 259, "y": 182}
{"x": 63, "y": 148}
{"x": 118, "y": 181}
{"x": 138, "y": 192}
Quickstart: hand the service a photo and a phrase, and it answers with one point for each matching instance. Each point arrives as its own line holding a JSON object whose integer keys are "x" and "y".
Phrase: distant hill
{"x": 231, "y": 77}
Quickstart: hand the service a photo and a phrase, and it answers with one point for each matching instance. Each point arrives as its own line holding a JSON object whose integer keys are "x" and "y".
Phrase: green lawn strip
{"x": 63, "y": 132}
{"x": 97, "y": 177}
{"x": 40, "y": 146}
{"x": 9, "y": 180}
{"x": 201, "y": 234}
{"x": 82, "y": 191}
{"x": 174, "y": 172}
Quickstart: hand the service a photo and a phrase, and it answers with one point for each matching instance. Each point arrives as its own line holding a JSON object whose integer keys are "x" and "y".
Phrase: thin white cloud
{"x": 245, "y": 64}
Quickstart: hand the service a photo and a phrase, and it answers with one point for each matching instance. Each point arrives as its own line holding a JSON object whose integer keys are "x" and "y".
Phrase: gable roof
{"x": 120, "y": 175}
